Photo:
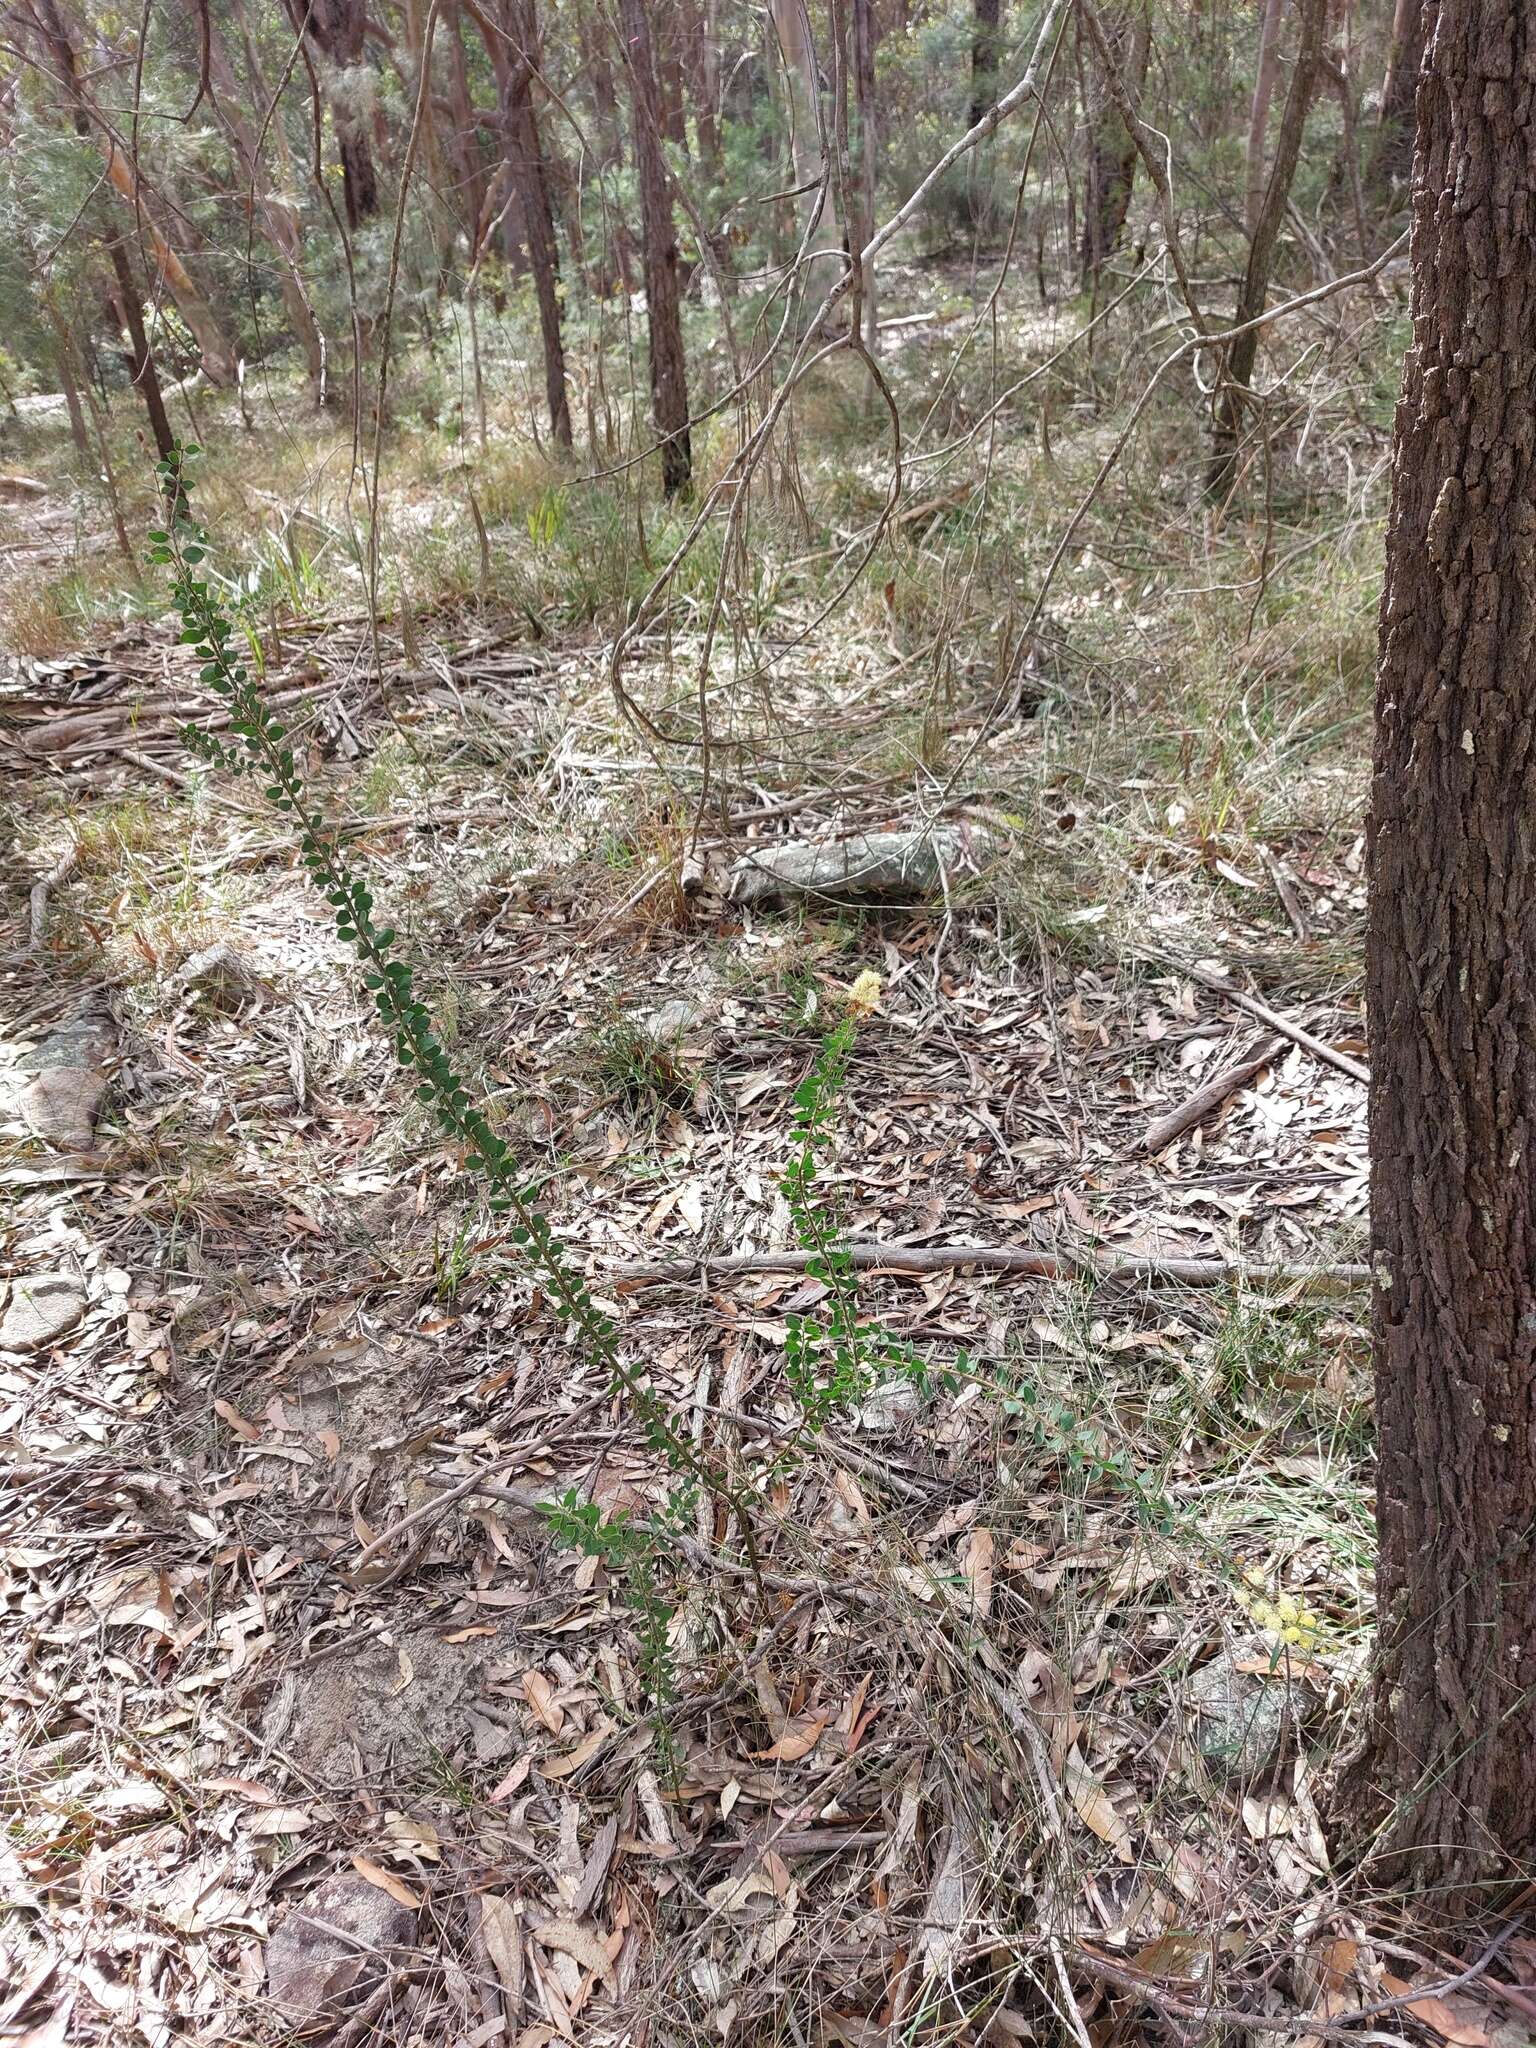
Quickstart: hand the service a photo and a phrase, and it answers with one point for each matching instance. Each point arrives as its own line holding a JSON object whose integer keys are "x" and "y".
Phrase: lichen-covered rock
{"x": 890, "y": 867}
{"x": 56, "y": 1087}
{"x": 1240, "y": 1716}
{"x": 41, "y": 1307}
{"x": 333, "y": 1947}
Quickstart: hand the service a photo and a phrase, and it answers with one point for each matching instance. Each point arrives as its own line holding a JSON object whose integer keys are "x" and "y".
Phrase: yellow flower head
{"x": 864, "y": 996}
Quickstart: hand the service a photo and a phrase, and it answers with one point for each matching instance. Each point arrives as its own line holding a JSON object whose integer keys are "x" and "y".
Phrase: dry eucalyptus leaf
{"x": 540, "y": 1695}
{"x": 797, "y": 1741}
{"x": 501, "y": 1930}
{"x": 580, "y": 1943}
{"x": 376, "y": 1874}
{"x": 583, "y": 1753}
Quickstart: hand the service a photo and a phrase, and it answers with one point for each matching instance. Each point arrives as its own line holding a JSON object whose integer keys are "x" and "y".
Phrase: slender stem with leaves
{"x": 832, "y": 1360}
{"x": 264, "y": 751}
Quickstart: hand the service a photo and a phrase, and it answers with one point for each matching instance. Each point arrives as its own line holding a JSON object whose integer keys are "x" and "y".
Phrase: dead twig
{"x": 1285, "y": 889}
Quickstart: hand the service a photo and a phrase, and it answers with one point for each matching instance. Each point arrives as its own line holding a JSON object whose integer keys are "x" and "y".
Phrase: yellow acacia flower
{"x": 1282, "y": 1615}
{"x": 864, "y": 996}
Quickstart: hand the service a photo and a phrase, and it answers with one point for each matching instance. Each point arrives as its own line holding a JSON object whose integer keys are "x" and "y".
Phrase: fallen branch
{"x": 1278, "y": 1021}
{"x": 943, "y": 1258}
{"x": 1179, "y": 2005}
{"x": 1211, "y": 1096}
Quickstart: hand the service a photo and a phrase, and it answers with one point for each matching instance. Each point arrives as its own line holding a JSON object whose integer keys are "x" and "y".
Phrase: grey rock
{"x": 56, "y": 1087}
{"x": 60, "y": 1106}
{"x": 85, "y": 1041}
{"x": 868, "y": 867}
{"x": 334, "y": 1946}
{"x": 1241, "y": 1717}
{"x": 42, "y": 1306}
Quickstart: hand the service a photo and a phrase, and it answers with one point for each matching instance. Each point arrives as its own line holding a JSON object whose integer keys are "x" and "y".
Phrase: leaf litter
{"x": 303, "y": 1723}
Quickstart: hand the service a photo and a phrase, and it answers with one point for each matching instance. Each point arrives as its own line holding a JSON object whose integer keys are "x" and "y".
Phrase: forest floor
{"x": 1021, "y": 1738}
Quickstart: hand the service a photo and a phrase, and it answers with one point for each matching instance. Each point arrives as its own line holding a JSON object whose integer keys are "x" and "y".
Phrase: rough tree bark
{"x": 1237, "y": 372}
{"x": 335, "y": 31}
{"x": 1111, "y": 175}
{"x": 530, "y": 180}
{"x": 662, "y": 261}
{"x": 1450, "y": 1771}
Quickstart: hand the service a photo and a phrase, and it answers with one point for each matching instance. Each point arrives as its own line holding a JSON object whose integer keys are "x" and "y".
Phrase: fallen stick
{"x": 1277, "y": 1021}
{"x": 943, "y": 1258}
{"x": 1211, "y": 1096}
{"x": 1285, "y": 889}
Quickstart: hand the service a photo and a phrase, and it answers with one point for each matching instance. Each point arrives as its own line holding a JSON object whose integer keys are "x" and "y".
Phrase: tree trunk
{"x": 863, "y": 196}
{"x": 1258, "y": 116}
{"x": 1339, "y": 67}
{"x": 435, "y": 181}
{"x": 703, "y": 30}
{"x": 69, "y": 384}
{"x": 792, "y": 26}
{"x": 1451, "y": 979}
{"x": 986, "y": 51}
{"x": 617, "y": 268}
{"x": 469, "y": 170}
{"x": 669, "y": 79}
{"x": 77, "y": 395}
{"x": 1237, "y": 373}
{"x": 335, "y": 30}
{"x": 278, "y": 217}
{"x": 663, "y": 293}
{"x": 1394, "y": 149}
{"x": 140, "y": 357}
{"x": 530, "y": 180}
{"x": 1111, "y": 150}
{"x": 986, "y": 54}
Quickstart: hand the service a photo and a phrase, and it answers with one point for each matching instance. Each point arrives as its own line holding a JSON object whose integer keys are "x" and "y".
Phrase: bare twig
{"x": 435, "y": 1509}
